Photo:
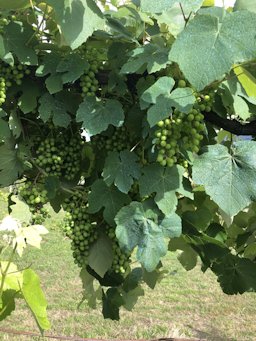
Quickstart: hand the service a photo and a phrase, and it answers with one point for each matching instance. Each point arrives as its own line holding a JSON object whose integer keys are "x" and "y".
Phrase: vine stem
{"x": 4, "y": 272}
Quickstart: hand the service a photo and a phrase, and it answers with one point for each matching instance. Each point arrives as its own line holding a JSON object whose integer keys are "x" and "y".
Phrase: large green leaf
{"x": 109, "y": 198}
{"x": 7, "y": 303}
{"x": 11, "y": 166}
{"x": 212, "y": 47}
{"x": 20, "y": 210}
{"x": 97, "y": 115}
{"x": 16, "y": 37}
{"x": 30, "y": 92}
{"x": 90, "y": 294}
{"x": 250, "y": 5}
{"x": 235, "y": 275}
{"x": 5, "y": 132}
{"x": 229, "y": 178}
{"x": 101, "y": 255}
{"x": 137, "y": 225}
{"x": 35, "y": 298}
{"x": 182, "y": 99}
{"x": 162, "y": 86}
{"x": 121, "y": 169}
{"x": 78, "y": 19}
{"x": 48, "y": 65}
{"x": 131, "y": 297}
{"x": 149, "y": 57}
{"x": 73, "y": 67}
{"x": 163, "y": 5}
{"x": 52, "y": 108}
{"x": 164, "y": 182}
{"x": 112, "y": 301}
{"x": 14, "y": 4}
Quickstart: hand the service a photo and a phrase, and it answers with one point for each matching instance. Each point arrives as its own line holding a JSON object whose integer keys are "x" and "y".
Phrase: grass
{"x": 188, "y": 304}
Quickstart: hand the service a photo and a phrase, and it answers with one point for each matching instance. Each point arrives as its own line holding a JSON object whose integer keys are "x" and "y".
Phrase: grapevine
{"x": 125, "y": 125}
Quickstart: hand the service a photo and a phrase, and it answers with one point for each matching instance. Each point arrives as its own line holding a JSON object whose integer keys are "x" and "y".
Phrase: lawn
{"x": 187, "y": 304}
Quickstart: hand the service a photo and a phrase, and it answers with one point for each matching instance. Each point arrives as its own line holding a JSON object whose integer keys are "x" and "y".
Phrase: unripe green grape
{"x": 182, "y": 83}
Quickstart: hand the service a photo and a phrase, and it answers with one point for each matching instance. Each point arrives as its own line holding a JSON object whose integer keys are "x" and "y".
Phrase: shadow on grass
{"x": 212, "y": 335}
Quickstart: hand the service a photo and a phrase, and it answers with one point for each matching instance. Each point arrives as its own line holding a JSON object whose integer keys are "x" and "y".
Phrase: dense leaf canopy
{"x": 123, "y": 115}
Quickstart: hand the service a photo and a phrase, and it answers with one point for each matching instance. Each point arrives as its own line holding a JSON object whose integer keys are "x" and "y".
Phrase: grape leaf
{"x": 235, "y": 274}
{"x": 54, "y": 83}
{"x": 250, "y": 5}
{"x": 20, "y": 210}
{"x": 188, "y": 257}
{"x": 121, "y": 169}
{"x": 5, "y": 132}
{"x": 35, "y": 298}
{"x": 89, "y": 292}
{"x": 131, "y": 297}
{"x": 154, "y": 277}
{"x": 200, "y": 219}
{"x": 14, "y": 278}
{"x": 15, "y": 124}
{"x": 49, "y": 65}
{"x": 11, "y": 166}
{"x": 97, "y": 115}
{"x": 109, "y": 198}
{"x": 241, "y": 108}
{"x": 112, "y": 301}
{"x": 14, "y": 4}
{"x": 149, "y": 57}
{"x": 30, "y": 92}
{"x": 163, "y": 5}
{"x": 228, "y": 178}
{"x": 7, "y": 303}
{"x": 213, "y": 47}
{"x": 52, "y": 108}
{"x": 247, "y": 80}
{"x": 77, "y": 19}
{"x": 16, "y": 37}
{"x": 165, "y": 182}
{"x": 73, "y": 67}
{"x": 182, "y": 99}
{"x": 101, "y": 255}
{"x": 137, "y": 225}
{"x": 162, "y": 86}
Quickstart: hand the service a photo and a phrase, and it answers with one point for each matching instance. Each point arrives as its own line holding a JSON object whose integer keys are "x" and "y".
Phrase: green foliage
{"x": 121, "y": 169}
{"x": 35, "y": 298}
{"x": 98, "y": 115}
{"x": 139, "y": 225}
{"x": 11, "y": 164}
{"x": 164, "y": 183}
{"x": 77, "y": 20}
{"x": 228, "y": 177}
{"x": 215, "y": 57}
{"x": 109, "y": 198}
{"x": 115, "y": 117}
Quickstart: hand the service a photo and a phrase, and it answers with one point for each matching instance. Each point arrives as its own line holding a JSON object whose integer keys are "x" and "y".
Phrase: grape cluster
{"x": 13, "y": 73}
{"x": 204, "y": 102}
{"x": 79, "y": 227}
{"x": 117, "y": 141}
{"x": 60, "y": 155}
{"x": 88, "y": 81}
{"x": 2, "y": 91}
{"x": 121, "y": 259}
{"x": 35, "y": 197}
{"x": 49, "y": 157}
{"x": 176, "y": 132}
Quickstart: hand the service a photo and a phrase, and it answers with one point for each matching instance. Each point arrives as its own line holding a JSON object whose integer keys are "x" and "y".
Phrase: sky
{"x": 228, "y": 3}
